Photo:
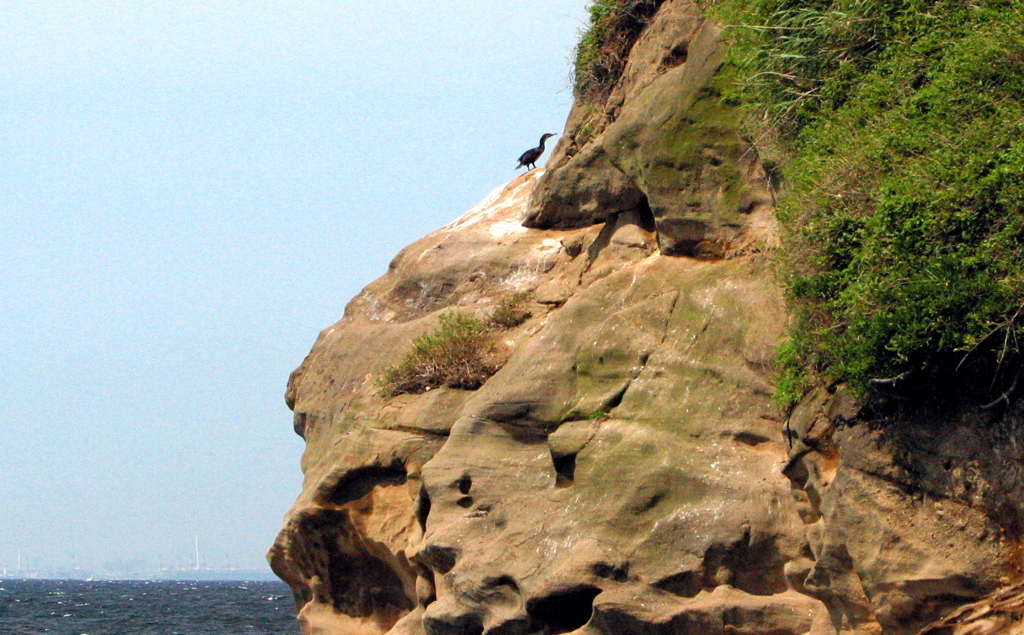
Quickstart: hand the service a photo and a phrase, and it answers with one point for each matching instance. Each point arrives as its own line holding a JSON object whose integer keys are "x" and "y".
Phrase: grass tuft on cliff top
{"x": 604, "y": 44}
{"x": 896, "y": 127}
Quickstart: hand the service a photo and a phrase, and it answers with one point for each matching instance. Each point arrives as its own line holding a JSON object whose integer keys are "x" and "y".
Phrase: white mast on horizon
{"x": 197, "y": 552}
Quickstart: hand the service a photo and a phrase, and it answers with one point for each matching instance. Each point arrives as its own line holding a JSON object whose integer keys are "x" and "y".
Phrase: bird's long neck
{"x": 542, "y": 140}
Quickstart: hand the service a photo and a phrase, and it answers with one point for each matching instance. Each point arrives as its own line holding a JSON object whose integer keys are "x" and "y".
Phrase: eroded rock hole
{"x": 359, "y": 482}
{"x": 565, "y": 470}
{"x": 685, "y": 584}
{"x": 501, "y": 581}
{"x": 796, "y": 472}
{"x": 562, "y": 612}
{"x": 616, "y": 399}
{"x": 678, "y": 55}
{"x": 711, "y": 158}
{"x": 752, "y": 564}
{"x": 619, "y": 573}
{"x": 460, "y": 624}
{"x": 750, "y": 438}
{"x": 649, "y": 503}
{"x": 646, "y": 216}
{"x": 353, "y": 581}
{"x": 422, "y": 508}
{"x": 464, "y": 483}
{"x": 440, "y": 559}
{"x": 362, "y": 586}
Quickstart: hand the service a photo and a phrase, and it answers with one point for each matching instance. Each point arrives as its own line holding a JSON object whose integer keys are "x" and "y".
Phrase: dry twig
{"x": 1005, "y": 397}
{"x": 891, "y": 381}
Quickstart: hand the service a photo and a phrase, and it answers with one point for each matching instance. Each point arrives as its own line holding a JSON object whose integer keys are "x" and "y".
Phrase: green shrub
{"x": 901, "y": 128}
{"x": 510, "y": 312}
{"x": 458, "y": 354}
{"x": 604, "y": 45}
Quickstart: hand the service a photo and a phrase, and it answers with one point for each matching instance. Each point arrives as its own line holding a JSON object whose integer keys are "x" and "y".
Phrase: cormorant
{"x": 530, "y": 157}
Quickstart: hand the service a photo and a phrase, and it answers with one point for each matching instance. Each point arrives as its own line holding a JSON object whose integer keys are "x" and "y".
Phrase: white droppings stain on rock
{"x": 501, "y": 209}
{"x": 548, "y": 246}
{"x": 523, "y": 276}
{"x": 506, "y": 228}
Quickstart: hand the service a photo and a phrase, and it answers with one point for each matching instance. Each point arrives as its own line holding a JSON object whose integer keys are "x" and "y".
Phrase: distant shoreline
{"x": 203, "y": 575}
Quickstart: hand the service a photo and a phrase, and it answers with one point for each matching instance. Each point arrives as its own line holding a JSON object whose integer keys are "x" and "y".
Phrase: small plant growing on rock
{"x": 510, "y": 312}
{"x": 458, "y": 354}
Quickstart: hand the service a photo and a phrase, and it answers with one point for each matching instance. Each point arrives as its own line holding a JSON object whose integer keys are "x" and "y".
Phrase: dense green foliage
{"x": 604, "y": 45}
{"x": 896, "y": 126}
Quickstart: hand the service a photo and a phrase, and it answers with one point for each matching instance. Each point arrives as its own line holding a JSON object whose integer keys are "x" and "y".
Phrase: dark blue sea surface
{"x": 75, "y": 607}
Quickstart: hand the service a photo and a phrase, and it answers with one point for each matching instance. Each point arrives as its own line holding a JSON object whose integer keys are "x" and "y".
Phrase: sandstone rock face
{"x": 909, "y": 514}
{"x": 624, "y": 471}
{"x": 664, "y": 140}
{"x": 622, "y": 468}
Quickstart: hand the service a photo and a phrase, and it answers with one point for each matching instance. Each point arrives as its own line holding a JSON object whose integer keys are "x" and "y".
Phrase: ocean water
{"x": 74, "y": 607}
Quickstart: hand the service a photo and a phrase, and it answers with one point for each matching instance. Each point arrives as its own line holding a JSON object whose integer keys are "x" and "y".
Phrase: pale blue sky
{"x": 189, "y": 192}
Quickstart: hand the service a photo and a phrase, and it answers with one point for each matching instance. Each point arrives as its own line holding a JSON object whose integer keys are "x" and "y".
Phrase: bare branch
{"x": 891, "y": 381}
{"x": 1005, "y": 324}
{"x": 1005, "y": 397}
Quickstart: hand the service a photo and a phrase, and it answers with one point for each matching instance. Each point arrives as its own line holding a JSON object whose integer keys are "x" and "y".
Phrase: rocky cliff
{"x": 624, "y": 471}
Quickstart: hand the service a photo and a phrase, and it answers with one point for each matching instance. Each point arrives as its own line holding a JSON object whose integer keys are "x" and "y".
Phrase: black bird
{"x": 530, "y": 157}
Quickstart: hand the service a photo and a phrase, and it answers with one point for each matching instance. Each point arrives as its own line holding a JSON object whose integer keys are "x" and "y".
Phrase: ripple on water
{"x": 73, "y": 607}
